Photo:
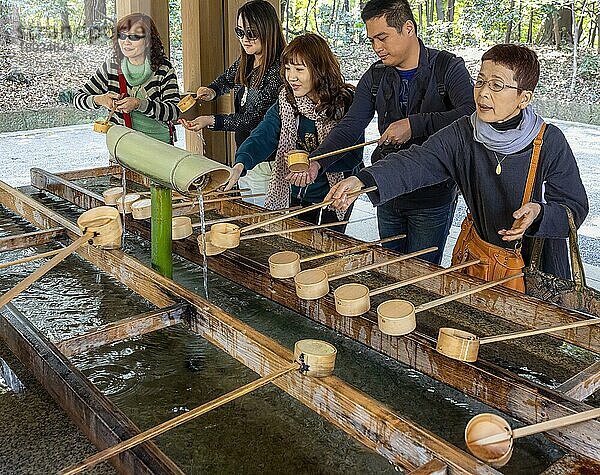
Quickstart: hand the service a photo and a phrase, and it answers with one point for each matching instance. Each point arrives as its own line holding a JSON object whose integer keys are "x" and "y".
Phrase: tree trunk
{"x": 575, "y": 41}
{"x": 557, "y": 27}
{"x": 420, "y": 17}
{"x": 530, "y": 28}
{"x": 429, "y": 11}
{"x": 509, "y": 24}
{"x": 65, "y": 29}
{"x": 94, "y": 13}
{"x": 450, "y": 11}
{"x": 306, "y": 16}
{"x": 439, "y": 7}
{"x": 520, "y": 23}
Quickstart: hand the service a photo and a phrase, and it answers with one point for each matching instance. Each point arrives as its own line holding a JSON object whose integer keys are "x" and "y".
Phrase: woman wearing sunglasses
{"x": 254, "y": 76}
{"x": 313, "y": 101}
{"x": 138, "y": 80}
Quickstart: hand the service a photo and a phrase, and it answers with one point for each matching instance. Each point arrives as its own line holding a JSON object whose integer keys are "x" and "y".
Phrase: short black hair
{"x": 395, "y": 12}
{"x": 522, "y": 61}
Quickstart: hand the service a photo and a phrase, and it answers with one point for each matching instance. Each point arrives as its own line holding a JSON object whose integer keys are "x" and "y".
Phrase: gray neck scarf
{"x": 507, "y": 141}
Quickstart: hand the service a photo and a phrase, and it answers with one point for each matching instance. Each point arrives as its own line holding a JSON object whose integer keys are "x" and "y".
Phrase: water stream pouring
{"x": 298, "y": 160}
{"x": 227, "y": 235}
{"x": 464, "y": 346}
{"x": 314, "y": 358}
{"x": 312, "y": 284}
{"x": 286, "y": 264}
{"x": 352, "y": 300}
{"x": 490, "y": 438}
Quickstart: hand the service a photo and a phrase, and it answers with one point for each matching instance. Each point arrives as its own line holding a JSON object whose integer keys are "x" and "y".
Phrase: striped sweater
{"x": 162, "y": 92}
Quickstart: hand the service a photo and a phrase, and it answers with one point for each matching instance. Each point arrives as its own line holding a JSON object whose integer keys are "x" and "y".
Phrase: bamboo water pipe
{"x": 312, "y": 284}
{"x": 352, "y": 300}
{"x": 298, "y": 160}
{"x": 490, "y": 438}
{"x": 228, "y": 235}
{"x": 286, "y": 264}
{"x": 313, "y": 358}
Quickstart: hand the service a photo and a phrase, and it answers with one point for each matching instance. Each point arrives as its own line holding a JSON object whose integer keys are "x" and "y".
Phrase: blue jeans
{"x": 423, "y": 228}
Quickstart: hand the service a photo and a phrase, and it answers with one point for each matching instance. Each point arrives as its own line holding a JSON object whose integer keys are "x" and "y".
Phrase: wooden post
{"x": 157, "y": 9}
{"x": 203, "y": 39}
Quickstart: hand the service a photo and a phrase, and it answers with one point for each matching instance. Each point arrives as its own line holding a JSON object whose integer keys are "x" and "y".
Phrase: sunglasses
{"x": 124, "y": 36}
{"x": 250, "y": 34}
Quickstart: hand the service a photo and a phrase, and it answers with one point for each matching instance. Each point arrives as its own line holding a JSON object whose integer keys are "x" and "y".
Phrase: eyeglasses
{"x": 495, "y": 85}
{"x": 124, "y": 36}
{"x": 250, "y": 34}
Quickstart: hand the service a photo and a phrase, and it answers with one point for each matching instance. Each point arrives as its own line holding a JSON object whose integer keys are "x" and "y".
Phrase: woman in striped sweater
{"x": 138, "y": 79}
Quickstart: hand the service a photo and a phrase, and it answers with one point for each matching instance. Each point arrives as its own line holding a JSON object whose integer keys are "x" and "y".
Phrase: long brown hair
{"x": 260, "y": 16}
{"x": 154, "y": 46}
{"x": 311, "y": 50}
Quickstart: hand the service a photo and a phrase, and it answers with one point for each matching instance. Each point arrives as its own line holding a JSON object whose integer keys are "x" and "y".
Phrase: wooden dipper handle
{"x": 352, "y": 248}
{"x": 474, "y": 290}
{"x": 342, "y": 150}
{"x": 419, "y": 278}
{"x": 47, "y": 267}
{"x": 176, "y": 421}
{"x": 539, "y": 331}
{"x": 303, "y": 210}
{"x": 381, "y": 264}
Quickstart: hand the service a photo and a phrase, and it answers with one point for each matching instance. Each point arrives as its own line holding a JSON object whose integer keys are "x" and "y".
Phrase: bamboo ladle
{"x": 313, "y": 358}
{"x": 464, "y": 346}
{"x": 312, "y": 284}
{"x": 352, "y": 300}
{"x": 490, "y": 438}
{"x": 212, "y": 250}
{"x": 102, "y": 126}
{"x": 398, "y": 317}
{"x": 286, "y": 264}
{"x": 43, "y": 270}
{"x": 298, "y": 160}
{"x": 227, "y": 235}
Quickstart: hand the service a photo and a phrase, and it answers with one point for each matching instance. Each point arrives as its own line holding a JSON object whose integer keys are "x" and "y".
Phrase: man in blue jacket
{"x": 415, "y": 91}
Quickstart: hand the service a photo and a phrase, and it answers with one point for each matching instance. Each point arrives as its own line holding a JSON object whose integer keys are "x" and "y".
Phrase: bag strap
{"x": 576, "y": 262}
{"x": 535, "y": 157}
{"x": 124, "y": 93}
{"x": 440, "y": 67}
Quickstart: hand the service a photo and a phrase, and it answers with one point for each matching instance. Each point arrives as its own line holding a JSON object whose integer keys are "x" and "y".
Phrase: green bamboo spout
{"x": 173, "y": 167}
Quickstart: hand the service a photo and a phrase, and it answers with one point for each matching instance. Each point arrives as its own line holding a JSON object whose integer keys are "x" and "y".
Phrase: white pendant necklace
{"x": 499, "y": 160}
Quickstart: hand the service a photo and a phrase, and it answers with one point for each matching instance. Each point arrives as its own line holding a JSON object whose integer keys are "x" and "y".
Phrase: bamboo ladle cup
{"x": 352, "y": 300}
{"x": 212, "y": 250}
{"x": 398, "y": 317}
{"x": 187, "y": 101}
{"x": 286, "y": 264}
{"x": 490, "y": 438}
{"x": 464, "y": 346}
{"x": 227, "y": 235}
{"x": 298, "y": 160}
{"x": 312, "y": 284}
{"x": 102, "y": 126}
{"x": 313, "y": 358}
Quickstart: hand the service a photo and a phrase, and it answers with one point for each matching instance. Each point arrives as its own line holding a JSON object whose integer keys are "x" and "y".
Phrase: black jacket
{"x": 428, "y": 112}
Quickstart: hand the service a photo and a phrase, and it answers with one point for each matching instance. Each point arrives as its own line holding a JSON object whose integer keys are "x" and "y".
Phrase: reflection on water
{"x": 159, "y": 375}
